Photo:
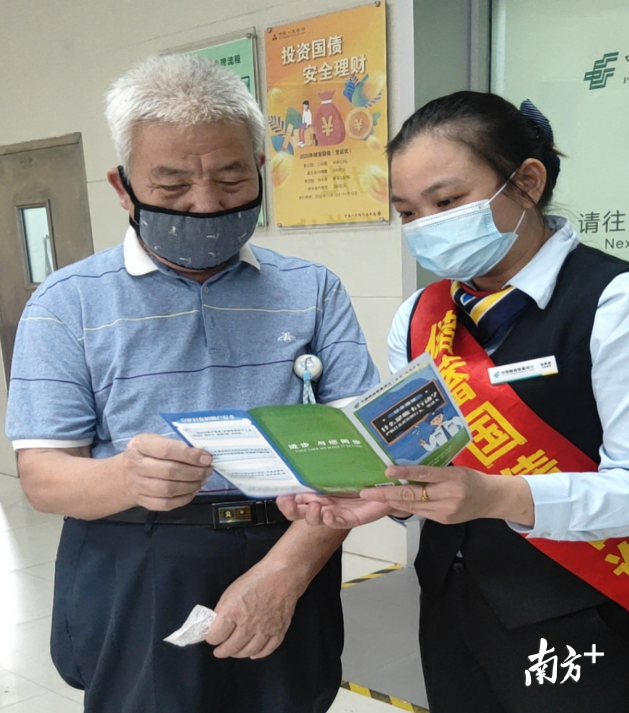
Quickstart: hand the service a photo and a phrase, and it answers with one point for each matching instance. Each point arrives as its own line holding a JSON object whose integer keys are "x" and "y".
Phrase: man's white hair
{"x": 179, "y": 89}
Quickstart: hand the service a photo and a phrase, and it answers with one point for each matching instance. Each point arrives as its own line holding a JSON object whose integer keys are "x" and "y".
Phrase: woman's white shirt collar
{"x": 539, "y": 276}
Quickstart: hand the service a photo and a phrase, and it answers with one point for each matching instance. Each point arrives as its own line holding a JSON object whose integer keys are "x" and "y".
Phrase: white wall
{"x": 58, "y": 58}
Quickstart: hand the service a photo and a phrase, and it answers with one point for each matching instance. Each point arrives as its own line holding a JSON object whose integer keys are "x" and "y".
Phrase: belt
{"x": 221, "y": 516}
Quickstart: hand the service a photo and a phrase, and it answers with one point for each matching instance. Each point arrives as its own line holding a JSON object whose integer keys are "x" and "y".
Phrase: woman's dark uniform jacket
{"x": 521, "y": 584}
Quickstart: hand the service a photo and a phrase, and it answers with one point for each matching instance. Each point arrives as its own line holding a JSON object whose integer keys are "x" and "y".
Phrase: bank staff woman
{"x": 517, "y": 605}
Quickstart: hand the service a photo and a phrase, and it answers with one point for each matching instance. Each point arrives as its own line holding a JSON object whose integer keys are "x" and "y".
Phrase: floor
{"x": 383, "y": 672}
{"x": 381, "y": 625}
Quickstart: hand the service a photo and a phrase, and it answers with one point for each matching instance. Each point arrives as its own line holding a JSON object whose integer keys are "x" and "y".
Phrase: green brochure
{"x": 277, "y": 450}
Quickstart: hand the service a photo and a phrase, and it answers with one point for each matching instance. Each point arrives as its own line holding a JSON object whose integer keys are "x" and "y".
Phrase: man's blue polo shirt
{"x": 108, "y": 343}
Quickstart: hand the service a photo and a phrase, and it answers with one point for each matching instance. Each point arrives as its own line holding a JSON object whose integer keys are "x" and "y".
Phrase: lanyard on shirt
{"x": 308, "y": 368}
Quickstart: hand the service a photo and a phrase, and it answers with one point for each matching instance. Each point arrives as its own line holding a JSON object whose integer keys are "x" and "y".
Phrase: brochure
{"x": 410, "y": 418}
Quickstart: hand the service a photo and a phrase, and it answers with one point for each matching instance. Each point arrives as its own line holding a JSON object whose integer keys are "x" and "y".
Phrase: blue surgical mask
{"x": 460, "y": 243}
{"x": 197, "y": 241}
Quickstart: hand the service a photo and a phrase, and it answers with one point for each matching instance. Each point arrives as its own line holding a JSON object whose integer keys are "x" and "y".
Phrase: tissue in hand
{"x": 194, "y": 628}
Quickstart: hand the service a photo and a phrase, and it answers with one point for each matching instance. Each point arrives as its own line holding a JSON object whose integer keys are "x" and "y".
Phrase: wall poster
{"x": 239, "y": 56}
{"x": 327, "y": 114}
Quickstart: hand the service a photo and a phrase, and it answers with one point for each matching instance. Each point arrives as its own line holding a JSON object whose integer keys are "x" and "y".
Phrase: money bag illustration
{"x": 329, "y": 125}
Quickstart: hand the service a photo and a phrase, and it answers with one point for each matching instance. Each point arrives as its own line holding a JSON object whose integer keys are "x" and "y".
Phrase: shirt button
{"x": 458, "y": 567}
{"x": 206, "y": 290}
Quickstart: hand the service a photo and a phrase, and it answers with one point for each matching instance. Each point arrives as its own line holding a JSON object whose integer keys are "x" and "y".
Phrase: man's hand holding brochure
{"x": 409, "y": 419}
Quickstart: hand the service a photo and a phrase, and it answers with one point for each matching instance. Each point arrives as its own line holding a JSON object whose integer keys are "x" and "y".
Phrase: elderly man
{"x": 184, "y": 315}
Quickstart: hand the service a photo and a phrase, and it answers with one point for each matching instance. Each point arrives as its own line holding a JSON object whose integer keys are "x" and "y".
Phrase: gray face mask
{"x": 197, "y": 241}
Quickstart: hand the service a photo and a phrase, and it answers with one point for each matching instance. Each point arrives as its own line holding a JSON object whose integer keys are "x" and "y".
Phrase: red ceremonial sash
{"x": 508, "y": 437}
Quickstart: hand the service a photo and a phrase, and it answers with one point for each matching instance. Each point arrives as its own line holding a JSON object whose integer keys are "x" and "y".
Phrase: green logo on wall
{"x": 601, "y": 71}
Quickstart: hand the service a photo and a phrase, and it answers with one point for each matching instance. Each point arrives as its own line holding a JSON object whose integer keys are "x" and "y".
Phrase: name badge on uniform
{"x": 523, "y": 370}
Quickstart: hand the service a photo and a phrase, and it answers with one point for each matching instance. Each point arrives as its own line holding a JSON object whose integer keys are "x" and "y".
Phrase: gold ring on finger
{"x": 425, "y": 497}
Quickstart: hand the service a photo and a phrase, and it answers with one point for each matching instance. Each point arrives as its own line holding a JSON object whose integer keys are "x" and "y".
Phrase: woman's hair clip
{"x": 530, "y": 111}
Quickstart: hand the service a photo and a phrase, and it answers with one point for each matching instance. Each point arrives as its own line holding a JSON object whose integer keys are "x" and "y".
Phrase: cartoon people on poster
{"x": 306, "y": 122}
{"x": 337, "y": 117}
{"x": 330, "y": 126}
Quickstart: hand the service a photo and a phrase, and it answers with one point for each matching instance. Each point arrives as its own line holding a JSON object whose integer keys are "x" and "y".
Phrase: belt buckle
{"x": 235, "y": 514}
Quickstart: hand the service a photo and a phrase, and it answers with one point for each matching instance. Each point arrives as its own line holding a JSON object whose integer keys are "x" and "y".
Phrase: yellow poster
{"x": 327, "y": 114}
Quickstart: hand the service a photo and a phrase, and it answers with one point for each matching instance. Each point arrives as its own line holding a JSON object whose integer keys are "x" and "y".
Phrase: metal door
{"x": 44, "y": 222}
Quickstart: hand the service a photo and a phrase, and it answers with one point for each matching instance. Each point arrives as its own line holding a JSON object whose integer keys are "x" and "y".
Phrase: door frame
{"x": 452, "y": 40}
{"x": 38, "y": 144}
{"x": 72, "y": 139}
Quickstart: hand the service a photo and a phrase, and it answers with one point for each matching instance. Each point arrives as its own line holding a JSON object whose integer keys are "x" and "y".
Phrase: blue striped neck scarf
{"x": 493, "y": 313}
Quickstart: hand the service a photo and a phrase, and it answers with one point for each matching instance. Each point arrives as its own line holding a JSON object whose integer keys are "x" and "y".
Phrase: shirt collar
{"x": 137, "y": 261}
{"x": 539, "y": 276}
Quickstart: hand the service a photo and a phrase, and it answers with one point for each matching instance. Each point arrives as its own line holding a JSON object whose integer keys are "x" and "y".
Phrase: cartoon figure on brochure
{"x": 444, "y": 430}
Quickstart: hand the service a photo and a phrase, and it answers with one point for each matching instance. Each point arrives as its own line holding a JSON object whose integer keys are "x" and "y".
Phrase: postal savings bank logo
{"x": 603, "y": 70}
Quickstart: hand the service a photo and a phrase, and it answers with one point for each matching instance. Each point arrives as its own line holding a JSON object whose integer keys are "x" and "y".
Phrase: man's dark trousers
{"x": 121, "y": 588}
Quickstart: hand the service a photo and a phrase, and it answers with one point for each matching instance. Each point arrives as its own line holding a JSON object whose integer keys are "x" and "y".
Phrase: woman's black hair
{"x": 493, "y": 128}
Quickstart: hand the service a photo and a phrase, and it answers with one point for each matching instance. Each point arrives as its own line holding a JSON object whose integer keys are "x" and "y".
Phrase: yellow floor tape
{"x": 391, "y": 700}
{"x": 362, "y": 690}
{"x": 372, "y": 575}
